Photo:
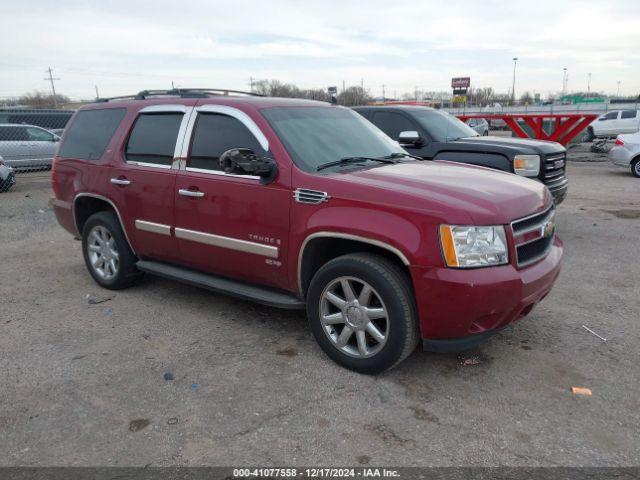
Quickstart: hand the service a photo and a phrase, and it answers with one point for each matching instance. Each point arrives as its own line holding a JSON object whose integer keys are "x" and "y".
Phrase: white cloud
{"x": 127, "y": 45}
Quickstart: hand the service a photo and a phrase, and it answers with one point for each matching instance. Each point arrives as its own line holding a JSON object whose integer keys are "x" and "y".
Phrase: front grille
{"x": 553, "y": 172}
{"x": 533, "y": 236}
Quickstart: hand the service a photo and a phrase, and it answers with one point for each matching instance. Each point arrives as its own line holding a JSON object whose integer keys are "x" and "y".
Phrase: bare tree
{"x": 526, "y": 98}
{"x": 353, "y": 96}
{"x": 38, "y": 99}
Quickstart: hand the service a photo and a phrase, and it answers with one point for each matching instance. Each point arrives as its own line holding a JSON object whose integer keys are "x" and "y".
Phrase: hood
{"x": 452, "y": 191}
{"x": 519, "y": 145}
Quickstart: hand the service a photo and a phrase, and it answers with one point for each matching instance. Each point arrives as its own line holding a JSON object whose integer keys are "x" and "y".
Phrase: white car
{"x": 480, "y": 125}
{"x": 626, "y": 152}
{"x": 614, "y": 123}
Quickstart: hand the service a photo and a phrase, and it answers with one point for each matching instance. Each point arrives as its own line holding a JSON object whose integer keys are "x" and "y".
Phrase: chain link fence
{"x": 29, "y": 139}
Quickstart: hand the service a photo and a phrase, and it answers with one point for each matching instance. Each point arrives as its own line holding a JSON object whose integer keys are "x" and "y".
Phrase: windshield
{"x": 314, "y": 136}
{"x": 443, "y": 127}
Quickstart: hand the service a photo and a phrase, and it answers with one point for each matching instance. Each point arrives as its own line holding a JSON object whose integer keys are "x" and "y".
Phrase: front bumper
{"x": 620, "y": 156}
{"x": 460, "y": 308}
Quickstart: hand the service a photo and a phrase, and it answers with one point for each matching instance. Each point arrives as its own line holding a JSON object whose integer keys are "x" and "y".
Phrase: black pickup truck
{"x": 436, "y": 135}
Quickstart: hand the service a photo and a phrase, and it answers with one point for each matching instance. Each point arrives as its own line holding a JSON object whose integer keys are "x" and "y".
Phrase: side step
{"x": 234, "y": 288}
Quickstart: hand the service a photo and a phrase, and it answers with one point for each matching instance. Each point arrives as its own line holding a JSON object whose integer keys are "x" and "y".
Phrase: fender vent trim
{"x": 313, "y": 197}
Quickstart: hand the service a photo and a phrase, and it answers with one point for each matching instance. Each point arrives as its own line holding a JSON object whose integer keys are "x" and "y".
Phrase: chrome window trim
{"x": 153, "y": 227}
{"x": 227, "y": 242}
{"x": 152, "y": 165}
{"x": 100, "y": 197}
{"x": 165, "y": 108}
{"x": 221, "y": 173}
{"x": 222, "y": 110}
{"x": 177, "y": 150}
{"x": 239, "y": 115}
{"x": 346, "y": 236}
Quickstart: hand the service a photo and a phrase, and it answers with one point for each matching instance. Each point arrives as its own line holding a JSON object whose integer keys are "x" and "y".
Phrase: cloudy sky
{"x": 127, "y": 46}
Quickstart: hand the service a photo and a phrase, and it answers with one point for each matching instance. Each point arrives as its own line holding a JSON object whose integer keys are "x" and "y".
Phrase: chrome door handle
{"x": 190, "y": 193}
{"x": 120, "y": 181}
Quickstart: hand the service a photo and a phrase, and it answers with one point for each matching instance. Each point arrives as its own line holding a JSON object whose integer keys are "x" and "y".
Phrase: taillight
{"x": 619, "y": 142}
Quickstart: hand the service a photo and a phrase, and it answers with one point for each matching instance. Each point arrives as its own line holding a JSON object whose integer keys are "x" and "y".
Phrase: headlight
{"x": 468, "y": 247}
{"x": 526, "y": 165}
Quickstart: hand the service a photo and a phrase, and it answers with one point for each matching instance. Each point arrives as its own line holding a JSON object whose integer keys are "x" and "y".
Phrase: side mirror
{"x": 243, "y": 161}
{"x": 409, "y": 138}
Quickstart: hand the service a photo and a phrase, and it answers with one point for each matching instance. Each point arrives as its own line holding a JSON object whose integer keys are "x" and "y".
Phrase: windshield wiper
{"x": 402, "y": 155}
{"x": 348, "y": 160}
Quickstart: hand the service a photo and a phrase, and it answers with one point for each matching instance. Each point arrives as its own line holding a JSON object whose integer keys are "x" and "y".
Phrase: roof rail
{"x": 180, "y": 92}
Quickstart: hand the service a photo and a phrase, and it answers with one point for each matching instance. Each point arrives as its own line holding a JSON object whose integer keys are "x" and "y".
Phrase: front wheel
{"x": 106, "y": 252}
{"x": 590, "y": 136}
{"x": 362, "y": 312}
{"x": 635, "y": 167}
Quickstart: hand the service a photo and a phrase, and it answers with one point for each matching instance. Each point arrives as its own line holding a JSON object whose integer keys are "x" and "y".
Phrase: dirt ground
{"x": 84, "y": 384}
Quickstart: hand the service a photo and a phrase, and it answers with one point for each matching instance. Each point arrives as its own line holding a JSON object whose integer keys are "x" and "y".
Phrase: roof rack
{"x": 180, "y": 92}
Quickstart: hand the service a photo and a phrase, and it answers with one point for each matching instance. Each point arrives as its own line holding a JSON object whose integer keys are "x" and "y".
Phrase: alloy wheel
{"x": 354, "y": 317}
{"x": 103, "y": 253}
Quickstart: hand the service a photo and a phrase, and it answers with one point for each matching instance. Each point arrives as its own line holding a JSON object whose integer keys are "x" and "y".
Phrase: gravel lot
{"x": 83, "y": 384}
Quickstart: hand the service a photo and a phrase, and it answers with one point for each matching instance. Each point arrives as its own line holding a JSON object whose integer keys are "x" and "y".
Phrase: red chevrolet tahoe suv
{"x": 303, "y": 204}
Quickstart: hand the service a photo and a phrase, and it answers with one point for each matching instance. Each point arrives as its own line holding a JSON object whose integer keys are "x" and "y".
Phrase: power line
{"x": 53, "y": 86}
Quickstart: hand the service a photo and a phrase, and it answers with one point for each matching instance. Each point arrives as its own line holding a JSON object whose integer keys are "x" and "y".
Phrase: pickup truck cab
{"x": 304, "y": 205}
{"x": 436, "y": 135}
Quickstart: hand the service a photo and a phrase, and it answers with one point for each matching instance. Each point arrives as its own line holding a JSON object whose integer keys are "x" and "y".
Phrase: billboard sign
{"x": 460, "y": 82}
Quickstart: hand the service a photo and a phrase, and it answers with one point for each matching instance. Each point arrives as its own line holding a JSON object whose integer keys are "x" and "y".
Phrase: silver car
{"x": 27, "y": 147}
{"x": 626, "y": 152}
{"x": 480, "y": 125}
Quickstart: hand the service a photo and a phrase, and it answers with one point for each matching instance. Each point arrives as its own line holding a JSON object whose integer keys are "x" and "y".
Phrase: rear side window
{"x": 215, "y": 134}
{"x": 90, "y": 132}
{"x": 628, "y": 114}
{"x": 393, "y": 123}
{"x": 153, "y": 138}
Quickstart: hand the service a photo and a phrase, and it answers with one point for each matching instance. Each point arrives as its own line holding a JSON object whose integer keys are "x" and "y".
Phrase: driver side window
{"x": 37, "y": 135}
{"x": 216, "y": 133}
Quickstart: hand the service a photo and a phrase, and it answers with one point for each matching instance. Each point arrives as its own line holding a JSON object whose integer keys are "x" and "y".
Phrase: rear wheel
{"x": 635, "y": 167}
{"x": 106, "y": 252}
{"x": 362, "y": 312}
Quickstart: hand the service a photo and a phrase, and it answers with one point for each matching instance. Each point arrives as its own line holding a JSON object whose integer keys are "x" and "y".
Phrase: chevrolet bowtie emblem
{"x": 548, "y": 228}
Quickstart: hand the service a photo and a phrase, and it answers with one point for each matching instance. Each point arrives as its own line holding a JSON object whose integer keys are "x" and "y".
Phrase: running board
{"x": 234, "y": 288}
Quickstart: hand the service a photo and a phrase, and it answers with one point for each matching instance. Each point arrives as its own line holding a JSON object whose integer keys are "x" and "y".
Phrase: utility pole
{"x": 251, "y": 84}
{"x": 97, "y": 94}
{"x": 618, "y": 94}
{"x": 565, "y": 78}
{"x": 362, "y": 83}
{"x": 53, "y": 87}
{"x": 343, "y": 89}
{"x": 589, "y": 86}
{"x": 383, "y": 92}
{"x": 513, "y": 87}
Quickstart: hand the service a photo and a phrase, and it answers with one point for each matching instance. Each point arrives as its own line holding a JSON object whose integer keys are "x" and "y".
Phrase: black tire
{"x": 6, "y": 184}
{"x": 126, "y": 273}
{"x": 589, "y": 136}
{"x": 635, "y": 167}
{"x": 393, "y": 287}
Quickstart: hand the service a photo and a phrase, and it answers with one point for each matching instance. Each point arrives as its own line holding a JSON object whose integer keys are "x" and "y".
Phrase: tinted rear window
{"x": 628, "y": 114}
{"x": 153, "y": 138}
{"x": 90, "y": 132}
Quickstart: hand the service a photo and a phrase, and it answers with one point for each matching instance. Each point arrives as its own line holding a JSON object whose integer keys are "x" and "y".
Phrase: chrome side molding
{"x": 152, "y": 227}
{"x": 227, "y": 242}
